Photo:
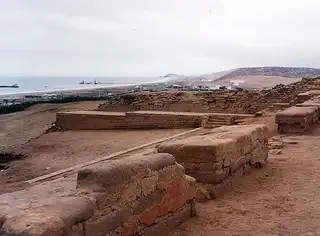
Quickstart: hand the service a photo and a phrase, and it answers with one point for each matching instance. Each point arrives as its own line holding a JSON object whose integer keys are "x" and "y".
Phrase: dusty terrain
{"x": 24, "y": 133}
{"x": 280, "y": 199}
{"x": 17, "y": 128}
{"x": 260, "y": 81}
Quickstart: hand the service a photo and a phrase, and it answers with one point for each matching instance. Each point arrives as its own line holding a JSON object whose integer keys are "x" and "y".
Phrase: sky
{"x": 153, "y": 38}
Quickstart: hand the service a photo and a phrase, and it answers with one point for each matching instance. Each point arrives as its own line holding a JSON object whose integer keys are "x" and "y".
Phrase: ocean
{"x": 55, "y": 84}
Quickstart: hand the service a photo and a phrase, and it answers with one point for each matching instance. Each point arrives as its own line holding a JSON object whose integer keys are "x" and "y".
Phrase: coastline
{"x": 74, "y": 92}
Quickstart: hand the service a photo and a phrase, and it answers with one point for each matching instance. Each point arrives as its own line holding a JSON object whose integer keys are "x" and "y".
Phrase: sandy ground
{"x": 59, "y": 150}
{"x": 260, "y": 82}
{"x": 23, "y": 132}
{"x": 17, "y": 128}
{"x": 280, "y": 199}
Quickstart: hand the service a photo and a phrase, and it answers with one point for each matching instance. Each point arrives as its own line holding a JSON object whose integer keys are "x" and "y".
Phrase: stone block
{"x": 169, "y": 223}
{"x": 296, "y": 119}
{"x": 107, "y": 223}
{"x": 149, "y": 184}
{"x": 121, "y": 171}
{"x": 208, "y": 157}
{"x": 147, "y": 202}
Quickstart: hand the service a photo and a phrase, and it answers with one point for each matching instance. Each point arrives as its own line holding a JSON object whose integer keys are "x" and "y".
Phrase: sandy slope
{"x": 259, "y": 82}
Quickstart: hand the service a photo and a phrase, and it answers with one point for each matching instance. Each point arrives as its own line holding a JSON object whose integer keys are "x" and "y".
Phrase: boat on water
{"x": 84, "y": 82}
{"x": 9, "y": 86}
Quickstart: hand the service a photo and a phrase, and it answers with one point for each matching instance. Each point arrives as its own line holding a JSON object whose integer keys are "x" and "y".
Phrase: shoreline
{"x": 109, "y": 89}
{"x": 116, "y": 88}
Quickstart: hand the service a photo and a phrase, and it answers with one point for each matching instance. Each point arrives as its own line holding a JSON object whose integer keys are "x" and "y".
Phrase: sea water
{"x": 50, "y": 84}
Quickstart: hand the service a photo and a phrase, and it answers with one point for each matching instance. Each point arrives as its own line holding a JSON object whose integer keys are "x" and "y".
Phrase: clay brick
{"x": 173, "y": 188}
{"x": 121, "y": 171}
{"x": 210, "y": 177}
{"x": 165, "y": 205}
{"x": 149, "y": 184}
{"x": 77, "y": 230}
{"x": 130, "y": 193}
{"x": 165, "y": 174}
{"x": 169, "y": 223}
{"x": 217, "y": 166}
{"x": 146, "y": 202}
{"x": 149, "y": 217}
{"x": 107, "y": 223}
{"x": 130, "y": 228}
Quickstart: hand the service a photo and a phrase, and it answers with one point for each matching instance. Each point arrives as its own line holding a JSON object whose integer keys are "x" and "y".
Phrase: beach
{"x": 36, "y": 85}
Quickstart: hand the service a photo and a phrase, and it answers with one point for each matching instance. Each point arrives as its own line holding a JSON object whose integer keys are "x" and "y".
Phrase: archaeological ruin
{"x": 152, "y": 188}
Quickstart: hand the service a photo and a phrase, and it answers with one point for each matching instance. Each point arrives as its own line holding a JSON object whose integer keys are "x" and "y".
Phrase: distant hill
{"x": 289, "y": 72}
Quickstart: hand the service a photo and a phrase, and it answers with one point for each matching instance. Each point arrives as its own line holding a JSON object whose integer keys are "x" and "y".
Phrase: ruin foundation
{"x": 138, "y": 195}
{"x": 222, "y": 153}
{"x": 296, "y": 119}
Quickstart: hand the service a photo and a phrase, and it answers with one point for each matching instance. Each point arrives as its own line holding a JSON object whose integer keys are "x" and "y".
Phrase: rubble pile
{"x": 217, "y": 101}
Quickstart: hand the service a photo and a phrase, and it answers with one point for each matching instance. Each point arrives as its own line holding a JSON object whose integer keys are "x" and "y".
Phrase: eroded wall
{"x": 221, "y": 153}
{"x": 138, "y": 195}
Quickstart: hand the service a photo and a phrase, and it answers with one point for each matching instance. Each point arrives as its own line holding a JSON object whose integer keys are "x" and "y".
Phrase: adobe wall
{"x": 297, "y": 119}
{"x": 130, "y": 120}
{"x": 221, "y": 153}
{"x": 96, "y": 120}
{"x": 139, "y": 195}
{"x": 246, "y": 102}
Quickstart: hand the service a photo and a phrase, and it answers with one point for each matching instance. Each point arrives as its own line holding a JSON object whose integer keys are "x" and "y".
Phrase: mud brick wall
{"x": 302, "y": 97}
{"x": 130, "y": 120}
{"x": 221, "y": 153}
{"x": 311, "y": 103}
{"x": 86, "y": 120}
{"x": 296, "y": 119}
{"x": 138, "y": 195}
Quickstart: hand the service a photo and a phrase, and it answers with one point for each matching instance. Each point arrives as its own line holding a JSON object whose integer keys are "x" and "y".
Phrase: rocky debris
{"x": 275, "y": 145}
{"x": 216, "y": 101}
{"x": 275, "y": 152}
{"x": 258, "y": 114}
{"x": 6, "y": 158}
{"x": 288, "y": 141}
{"x": 54, "y": 128}
{"x": 202, "y": 193}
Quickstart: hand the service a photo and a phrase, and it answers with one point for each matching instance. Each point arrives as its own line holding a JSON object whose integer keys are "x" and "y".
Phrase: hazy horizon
{"x": 150, "y": 39}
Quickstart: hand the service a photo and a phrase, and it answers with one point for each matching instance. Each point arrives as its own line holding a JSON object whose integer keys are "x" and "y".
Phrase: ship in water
{"x": 84, "y": 82}
{"x": 9, "y": 86}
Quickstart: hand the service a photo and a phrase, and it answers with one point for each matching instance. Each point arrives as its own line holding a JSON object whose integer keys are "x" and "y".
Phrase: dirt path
{"x": 281, "y": 199}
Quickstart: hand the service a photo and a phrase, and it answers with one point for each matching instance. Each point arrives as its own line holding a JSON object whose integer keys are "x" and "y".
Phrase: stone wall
{"x": 247, "y": 102}
{"x": 138, "y": 195}
{"x": 297, "y": 119}
{"x": 311, "y": 103}
{"x": 221, "y": 153}
{"x": 95, "y": 120}
{"x": 130, "y": 120}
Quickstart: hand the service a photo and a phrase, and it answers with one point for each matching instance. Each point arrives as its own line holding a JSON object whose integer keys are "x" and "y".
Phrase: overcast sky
{"x": 155, "y": 37}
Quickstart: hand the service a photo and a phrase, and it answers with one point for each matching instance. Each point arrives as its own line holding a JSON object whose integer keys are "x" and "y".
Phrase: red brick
{"x": 172, "y": 188}
{"x": 150, "y": 216}
{"x": 166, "y": 205}
{"x": 130, "y": 228}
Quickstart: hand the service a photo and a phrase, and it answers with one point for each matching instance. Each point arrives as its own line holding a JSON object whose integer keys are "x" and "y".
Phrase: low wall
{"x": 296, "y": 119}
{"x": 311, "y": 103}
{"x": 138, "y": 195}
{"x": 222, "y": 153}
{"x": 302, "y": 97}
{"x": 95, "y": 120}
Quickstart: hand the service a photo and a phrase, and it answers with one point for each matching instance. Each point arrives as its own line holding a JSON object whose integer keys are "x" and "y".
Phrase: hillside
{"x": 218, "y": 101}
{"x": 289, "y": 72}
